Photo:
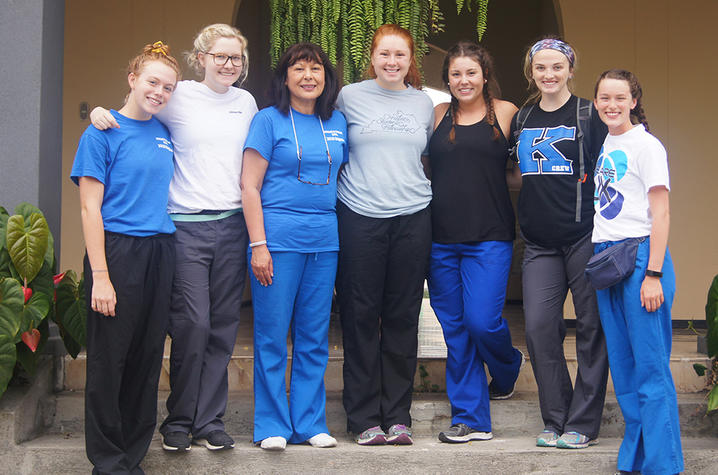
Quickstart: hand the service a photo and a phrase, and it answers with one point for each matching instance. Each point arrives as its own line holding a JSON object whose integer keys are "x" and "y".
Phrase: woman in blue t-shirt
{"x": 124, "y": 176}
{"x": 291, "y": 160}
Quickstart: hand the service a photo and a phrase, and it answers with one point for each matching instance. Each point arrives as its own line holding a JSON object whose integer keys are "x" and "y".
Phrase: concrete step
{"x": 431, "y": 413}
{"x": 241, "y": 373}
{"x": 61, "y": 455}
{"x": 432, "y": 356}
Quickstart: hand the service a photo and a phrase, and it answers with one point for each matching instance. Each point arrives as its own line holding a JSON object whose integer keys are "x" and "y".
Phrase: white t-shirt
{"x": 630, "y": 164}
{"x": 208, "y": 131}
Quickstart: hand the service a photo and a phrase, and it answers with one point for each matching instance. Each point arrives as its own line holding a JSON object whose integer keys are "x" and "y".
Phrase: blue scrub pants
{"x": 300, "y": 296}
{"x": 639, "y": 350}
{"x": 467, "y": 286}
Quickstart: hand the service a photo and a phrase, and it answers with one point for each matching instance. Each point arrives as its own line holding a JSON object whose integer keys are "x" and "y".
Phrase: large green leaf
{"x": 11, "y": 304}
{"x": 71, "y": 314}
{"x": 27, "y": 243}
{"x": 713, "y": 399}
{"x": 712, "y": 318}
{"x": 26, "y": 210}
{"x": 34, "y": 312}
{"x": 7, "y": 361}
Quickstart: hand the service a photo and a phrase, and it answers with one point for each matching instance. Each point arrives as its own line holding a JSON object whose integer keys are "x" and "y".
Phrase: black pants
{"x": 547, "y": 275}
{"x": 380, "y": 282}
{"x": 124, "y": 352}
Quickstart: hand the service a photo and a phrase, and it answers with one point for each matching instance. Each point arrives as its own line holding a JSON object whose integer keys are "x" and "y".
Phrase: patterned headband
{"x": 558, "y": 45}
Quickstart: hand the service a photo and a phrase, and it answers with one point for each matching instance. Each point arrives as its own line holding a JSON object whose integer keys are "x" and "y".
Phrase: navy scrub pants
{"x": 204, "y": 318}
{"x": 639, "y": 351}
{"x": 380, "y": 284}
{"x": 124, "y": 352}
{"x": 548, "y": 273}
{"x": 467, "y": 286}
{"x": 300, "y": 298}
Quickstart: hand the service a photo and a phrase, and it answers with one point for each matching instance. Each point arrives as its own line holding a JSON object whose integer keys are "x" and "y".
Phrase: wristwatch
{"x": 653, "y": 273}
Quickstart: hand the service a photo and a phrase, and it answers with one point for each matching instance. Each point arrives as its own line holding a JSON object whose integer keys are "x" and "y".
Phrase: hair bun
{"x": 158, "y": 47}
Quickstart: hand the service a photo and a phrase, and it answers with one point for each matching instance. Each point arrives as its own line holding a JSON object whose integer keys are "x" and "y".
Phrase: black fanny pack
{"x": 613, "y": 264}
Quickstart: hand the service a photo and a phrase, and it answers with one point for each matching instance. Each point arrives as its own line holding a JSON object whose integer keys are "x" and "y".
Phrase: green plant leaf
{"x": 26, "y": 210}
{"x": 71, "y": 313}
{"x": 699, "y": 369}
{"x": 7, "y": 361}
{"x": 3, "y": 229}
{"x": 713, "y": 399}
{"x": 712, "y": 318}
{"x": 11, "y": 306}
{"x": 27, "y": 243}
{"x": 34, "y": 312}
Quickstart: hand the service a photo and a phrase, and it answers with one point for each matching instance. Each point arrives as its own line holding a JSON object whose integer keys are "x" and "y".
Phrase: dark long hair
{"x": 491, "y": 88}
{"x": 638, "y": 116}
{"x": 279, "y": 92}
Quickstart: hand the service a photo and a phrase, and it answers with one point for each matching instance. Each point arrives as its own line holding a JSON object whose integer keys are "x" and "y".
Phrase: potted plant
{"x": 31, "y": 293}
{"x": 712, "y": 343}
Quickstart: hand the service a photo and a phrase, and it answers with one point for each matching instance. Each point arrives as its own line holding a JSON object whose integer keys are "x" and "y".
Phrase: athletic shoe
{"x": 459, "y": 433}
{"x": 372, "y": 436}
{"x": 175, "y": 442}
{"x": 574, "y": 440}
{"x": 215, "y": 440}
{"x": 496, "y": 395}
{"x": 399, "y": 434}
{"x": 274, "y": 443}
{"x": 547, "y": 438}
{"x": 322, "y": 440}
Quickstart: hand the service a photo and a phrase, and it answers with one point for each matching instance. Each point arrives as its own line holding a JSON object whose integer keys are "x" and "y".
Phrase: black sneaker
{"x": 216, "y": 440}
{"x": 459, "y": 433}
{"x": 496, "y": 395}
{"x": 175, "y": 442}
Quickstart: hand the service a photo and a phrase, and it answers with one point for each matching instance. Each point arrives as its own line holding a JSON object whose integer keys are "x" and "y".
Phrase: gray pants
{"x": 204, "y": 317}
{"x": 547, "y": 276}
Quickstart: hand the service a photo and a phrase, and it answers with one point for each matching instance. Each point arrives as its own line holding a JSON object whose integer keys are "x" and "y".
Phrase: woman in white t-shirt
{"x": 209, "y": 122}
{"x": 631, "y": 201}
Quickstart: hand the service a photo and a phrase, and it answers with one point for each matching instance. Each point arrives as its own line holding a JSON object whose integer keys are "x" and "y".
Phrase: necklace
{"x": 296, "y": 141}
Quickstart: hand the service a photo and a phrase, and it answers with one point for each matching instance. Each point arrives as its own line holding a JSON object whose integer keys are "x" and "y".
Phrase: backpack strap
{"x": 583, "y": 122}
{"x": 521, "y": 116}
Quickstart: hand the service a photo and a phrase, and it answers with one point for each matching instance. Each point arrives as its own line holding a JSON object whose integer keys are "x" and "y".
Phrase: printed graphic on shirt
{"x": 538, "y": 154}
{"x": 334, "y": 135}
{"x": 610, "y": 169}
{"x": 164, "y": 143}
{"x": 398, "y": 122}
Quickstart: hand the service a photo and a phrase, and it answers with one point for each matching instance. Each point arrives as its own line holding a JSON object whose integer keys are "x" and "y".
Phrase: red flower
{"x": 27, "y": 291}
{"x": 58, "y": 278}
{"x": 31, "y": 338}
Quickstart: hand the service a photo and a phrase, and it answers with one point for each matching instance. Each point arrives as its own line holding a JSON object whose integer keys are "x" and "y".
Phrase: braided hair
{"x": 490, "y": 90}
{"x": 638, "y": 115}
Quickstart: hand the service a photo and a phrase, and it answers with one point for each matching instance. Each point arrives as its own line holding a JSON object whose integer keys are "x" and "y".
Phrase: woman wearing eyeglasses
{"x": 291, "y": 160}
{"x": 208, "y": 121}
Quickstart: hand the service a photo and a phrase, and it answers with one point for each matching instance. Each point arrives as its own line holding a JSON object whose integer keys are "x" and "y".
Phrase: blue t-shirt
{"x": 135, "y": 163}
{"x": 299, "y": 217}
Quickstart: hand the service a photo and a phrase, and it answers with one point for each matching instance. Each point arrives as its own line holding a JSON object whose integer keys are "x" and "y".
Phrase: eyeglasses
{"x": 220, "y": 59}
{"x": 299, "y": 153}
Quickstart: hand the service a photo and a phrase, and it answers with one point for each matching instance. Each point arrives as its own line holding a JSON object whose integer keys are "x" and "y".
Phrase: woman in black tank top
{"x": 473, "y": 230}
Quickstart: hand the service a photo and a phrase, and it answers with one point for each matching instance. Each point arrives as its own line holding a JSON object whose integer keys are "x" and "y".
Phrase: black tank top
{"x": 471, "y": 200}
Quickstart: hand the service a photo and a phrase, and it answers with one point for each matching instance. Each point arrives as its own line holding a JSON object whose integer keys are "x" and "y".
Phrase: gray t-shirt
{"x": 388, "y": 131}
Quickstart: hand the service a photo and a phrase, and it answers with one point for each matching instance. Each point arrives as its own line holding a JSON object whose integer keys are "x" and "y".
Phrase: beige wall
{"x": 670, "y": 47}
{"x": 665, "y": 44}
{"x": 100, "y": 38}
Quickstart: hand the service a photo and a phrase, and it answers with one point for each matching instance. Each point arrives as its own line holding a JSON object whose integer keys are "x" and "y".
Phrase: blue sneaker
{"x": 574, "y": 440}
{"x": 547, "y": 438}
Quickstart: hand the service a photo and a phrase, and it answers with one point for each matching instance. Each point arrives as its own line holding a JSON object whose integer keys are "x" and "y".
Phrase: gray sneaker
{"x": 459, "y": 433}
{"x": 574, "y": 440}
{"x": 399, "y": 434}
{"x": 372, "y": 436}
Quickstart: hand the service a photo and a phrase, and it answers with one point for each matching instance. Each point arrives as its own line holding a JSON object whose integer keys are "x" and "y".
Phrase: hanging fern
{"x": 343, "y": 28}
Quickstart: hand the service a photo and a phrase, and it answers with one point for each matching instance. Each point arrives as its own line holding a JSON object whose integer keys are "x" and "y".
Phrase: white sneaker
{"x": 274, "y": 443}
{"x": 323, "y": 440}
